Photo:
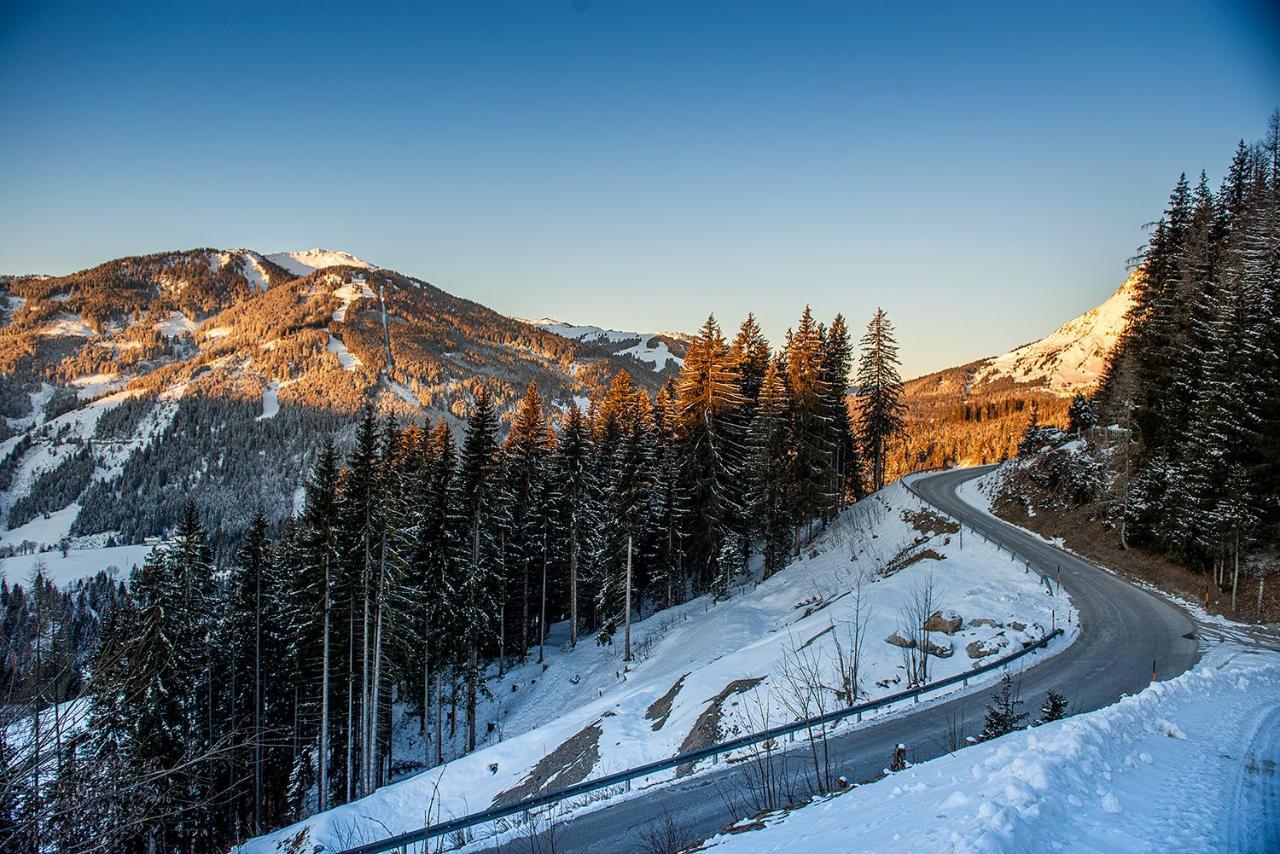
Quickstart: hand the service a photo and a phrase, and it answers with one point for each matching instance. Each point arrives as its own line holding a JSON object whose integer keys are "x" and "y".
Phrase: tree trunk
{"x": 626, "y": 643}
{"x": 542, "y": 611}
{"x": 1235, "y": 574}
{"x": 573, "y": 582}
{"x": 257, "y": 703}
{"x": 323, "y": 794}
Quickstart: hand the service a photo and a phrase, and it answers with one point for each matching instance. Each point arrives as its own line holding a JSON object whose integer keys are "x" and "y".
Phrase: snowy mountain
{"x": 309, "y": 260}
{"x": 973, "y": 414}
{"x": 120, "y": 384}
{"x": 660, "y": 349}
{"x": 1071, "y": 358}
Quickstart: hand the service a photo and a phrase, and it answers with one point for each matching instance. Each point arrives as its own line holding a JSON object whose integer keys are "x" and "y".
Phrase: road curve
{"x": 1125, "y": 631}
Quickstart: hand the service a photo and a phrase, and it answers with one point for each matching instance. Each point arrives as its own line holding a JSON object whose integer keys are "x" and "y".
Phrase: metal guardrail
{"x": 625, "y": 777}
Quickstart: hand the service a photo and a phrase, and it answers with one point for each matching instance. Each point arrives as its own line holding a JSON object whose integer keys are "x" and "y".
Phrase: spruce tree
{"x": 880, "y": 407}
{"x": 710, "y": 398}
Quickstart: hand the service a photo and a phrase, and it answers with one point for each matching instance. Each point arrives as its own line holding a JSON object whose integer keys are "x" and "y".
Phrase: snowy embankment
{"x": 708, "y": 670}
{"x": 1185, "y": 765}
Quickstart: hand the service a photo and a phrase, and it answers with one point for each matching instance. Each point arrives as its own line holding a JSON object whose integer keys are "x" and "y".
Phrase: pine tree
{"x": 525, "y": 459}
{"x": 668, "y": 500}
{"x": 710, "y": 396}
{"x": 625, "y": 463}
{"x": 770, "y": 467}
{"x": 576, "y": 506}
{"x": 837, "y": 362}
{"x": 1054, "y": 708}
{"x": 477, "y": 522}
{"x": 1002, "y": 715}
{"x": 880, "y": 407}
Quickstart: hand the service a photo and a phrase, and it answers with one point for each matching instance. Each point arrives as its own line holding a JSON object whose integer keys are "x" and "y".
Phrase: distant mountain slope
{"x": 1073, "y": 356}
{"x": 663, "y": 350}
{"x": 975, "y": 413}
{"x": 309, "y": 260}
{"x": 213, "y": 373}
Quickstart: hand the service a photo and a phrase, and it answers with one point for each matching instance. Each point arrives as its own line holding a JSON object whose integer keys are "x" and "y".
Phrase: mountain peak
{"x": 1073, "y": 357}
{"x": 307, "y": 261}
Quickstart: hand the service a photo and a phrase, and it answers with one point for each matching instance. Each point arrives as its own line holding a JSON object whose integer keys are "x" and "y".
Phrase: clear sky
{"x": 981, "y": 170}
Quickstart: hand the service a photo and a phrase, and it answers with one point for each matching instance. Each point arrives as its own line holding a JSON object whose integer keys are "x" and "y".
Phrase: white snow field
{"x": 689, "y": 655}
{"x": 649, "y": 349}
{"x": 308, "y": 261}
{"x": 1187, "y": 765}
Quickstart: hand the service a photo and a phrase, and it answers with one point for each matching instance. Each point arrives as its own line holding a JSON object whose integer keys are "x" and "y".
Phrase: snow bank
{"x": 1185, "y": 765}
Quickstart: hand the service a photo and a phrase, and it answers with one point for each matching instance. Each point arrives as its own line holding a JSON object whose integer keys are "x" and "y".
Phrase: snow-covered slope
{"x": 1073, "y": 356}
{"x": 235, "y": 336}
{"x": 1186, "y": 765}
{"x": 309, "y": 260}
{"x": 656, "y": 348}
{"x": 705, "y": 669}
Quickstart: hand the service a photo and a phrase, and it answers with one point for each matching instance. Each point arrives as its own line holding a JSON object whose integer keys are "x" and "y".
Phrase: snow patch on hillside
{"x": 68, "y": 326}
{"x": 348, "y": 360}
{"x": 1073, "y": 357}
{"x": 307, "y": 261}
{"x": 650, "y": 348}
{"x": 349, "y": 292}
{"x": 1186, "y": 765}
{"x": 891, "y": 540}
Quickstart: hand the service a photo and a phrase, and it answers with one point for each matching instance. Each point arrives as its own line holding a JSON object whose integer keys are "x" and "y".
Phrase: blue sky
{"x": 983, "y": 170}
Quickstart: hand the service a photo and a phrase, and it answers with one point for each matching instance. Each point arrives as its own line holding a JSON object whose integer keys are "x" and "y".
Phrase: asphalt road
{"x": 1126, "y": 631}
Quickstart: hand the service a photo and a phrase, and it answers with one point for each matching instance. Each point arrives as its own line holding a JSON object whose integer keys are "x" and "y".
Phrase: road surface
{"x": 1126, "y": 631}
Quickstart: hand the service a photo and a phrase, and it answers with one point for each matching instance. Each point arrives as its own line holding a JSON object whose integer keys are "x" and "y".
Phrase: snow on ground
{"x": 1185, "y": 765}
{"x": 270, "y": 400}
{"x": 43, "y": 531}
{"x": 248, "y": 264}
{"x": 649, "y": 349}
{"x": 176, "y": 324}
{"x": 348, "y": 360}
{"x": 79, "y": 563}
{"x": 351, "y": 291}
{"x": 68, "y": 325}
{"x": 47, "y": 454}
{"x": 309, "y": 260}
{"x": 95, "y": 385}
{"x": 704, "y": 647}
{"x": 1073, "y": 356}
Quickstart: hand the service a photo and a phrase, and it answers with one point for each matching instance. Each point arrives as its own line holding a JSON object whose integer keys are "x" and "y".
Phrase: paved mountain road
{"x": 1125, "y": 630}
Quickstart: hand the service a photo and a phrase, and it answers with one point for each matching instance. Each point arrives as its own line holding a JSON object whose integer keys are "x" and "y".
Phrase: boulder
{"x": 948, "y": 622}
{"x": 1018, "y": 627}
{"x": 940, "y": 650}
{"x": 983, "y": 648}
{"x": 986, "y": 621}
{"x": 898, "y": 640}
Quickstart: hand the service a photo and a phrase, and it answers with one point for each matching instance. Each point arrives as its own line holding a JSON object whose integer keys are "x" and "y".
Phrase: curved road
{"x": 1125, "y": 631}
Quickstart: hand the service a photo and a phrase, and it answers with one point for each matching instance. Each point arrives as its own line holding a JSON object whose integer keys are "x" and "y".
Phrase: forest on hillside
{"x": 226, "y": 698}
{"x": 1178, "y": 451}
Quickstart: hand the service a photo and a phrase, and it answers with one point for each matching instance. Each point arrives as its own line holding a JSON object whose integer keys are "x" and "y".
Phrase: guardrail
{"x": 711, "y": 752}
{"x": 1013, "y": 553}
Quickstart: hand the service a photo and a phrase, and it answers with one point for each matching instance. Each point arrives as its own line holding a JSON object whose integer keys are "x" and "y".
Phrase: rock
{"x": 898, "y": 640}
{"x": 948, "y": 622}
{"x": 939, "y": 650}
{"x": 986, "y": 621}
{"x": 981, "y": 649}
{"x": 1018, "y": 627}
